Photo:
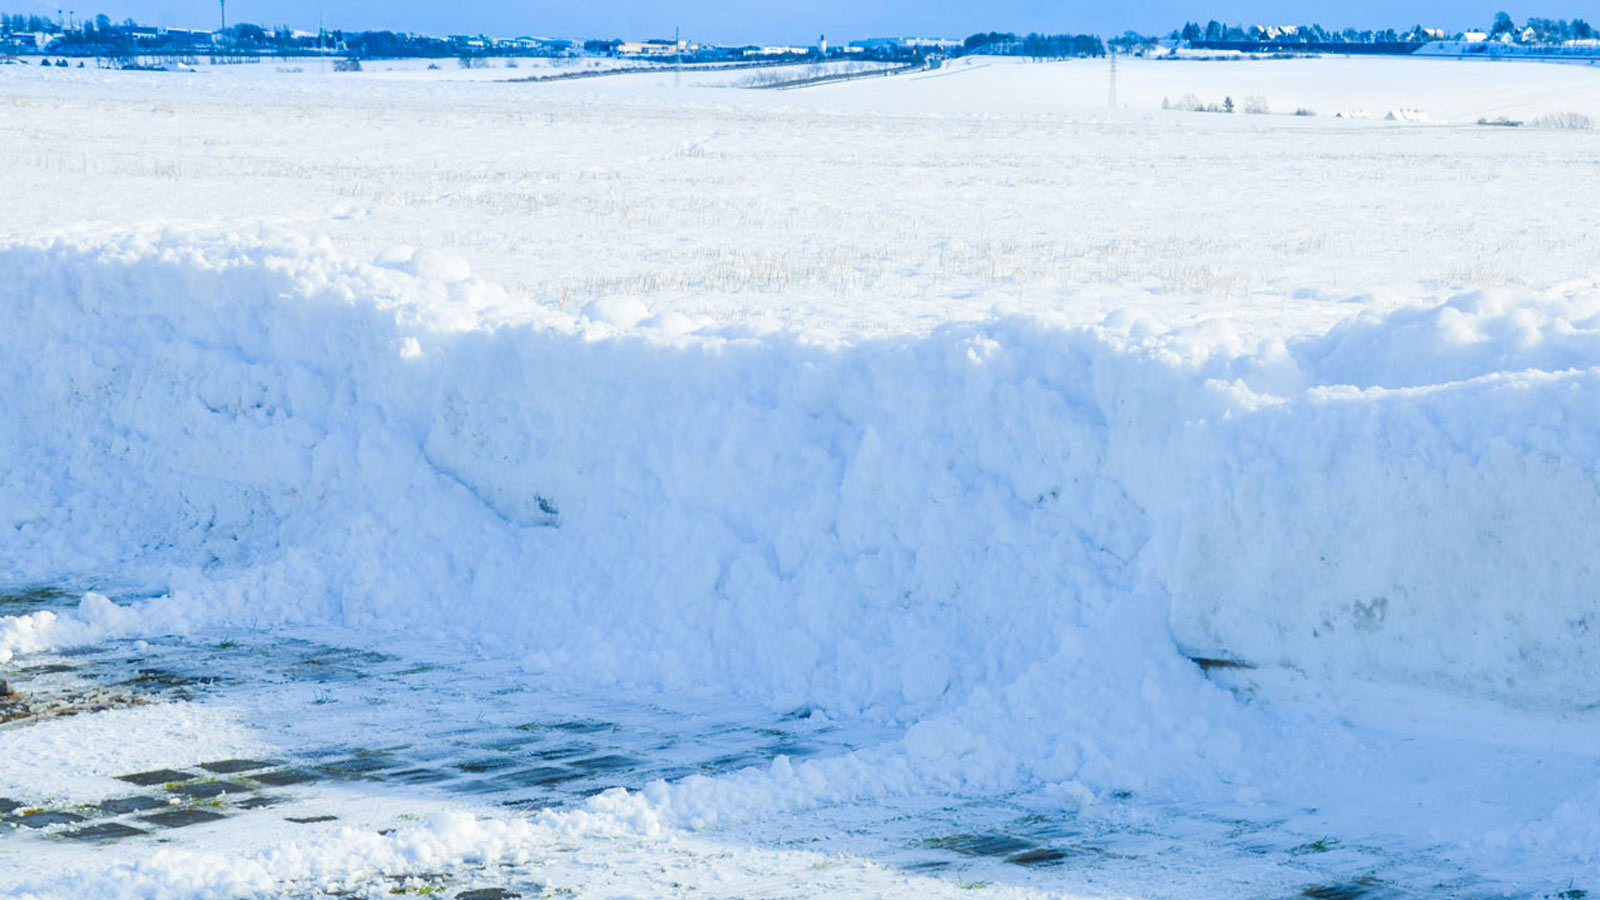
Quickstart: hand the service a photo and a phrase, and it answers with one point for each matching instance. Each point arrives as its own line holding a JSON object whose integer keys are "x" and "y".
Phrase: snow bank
{"x": 994, "y": 531}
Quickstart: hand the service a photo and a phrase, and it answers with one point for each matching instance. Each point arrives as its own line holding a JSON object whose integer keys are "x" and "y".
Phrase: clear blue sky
{"x": 755, "y": 20}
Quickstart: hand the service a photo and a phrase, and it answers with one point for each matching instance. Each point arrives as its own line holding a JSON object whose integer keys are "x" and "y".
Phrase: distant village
{"x": 1504, "y": 33}
{"x": 101, "y": 38}
{"x": 112, "y": 43}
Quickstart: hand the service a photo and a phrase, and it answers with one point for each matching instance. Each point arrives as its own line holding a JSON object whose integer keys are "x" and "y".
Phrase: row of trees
{"x": 1544, "y": 30}
{"x": 1038, "y": 46}
{"x": 15, "y": 23}
{"x": 100, "y": 37}
{"x": 1302, "y": 34}
{"x": 1538, "y": 29}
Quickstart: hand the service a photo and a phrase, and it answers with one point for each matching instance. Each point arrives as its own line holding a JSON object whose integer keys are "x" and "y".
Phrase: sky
{"x": 763, "y": 21}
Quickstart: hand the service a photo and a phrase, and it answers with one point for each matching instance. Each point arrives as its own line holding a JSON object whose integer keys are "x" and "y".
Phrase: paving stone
{"x": 541, "y": 776}
{"x": 509, "y": 742}
{"x": 565, "y": 752}
{"x": 206, "y": 790}
{"x": 421, "y": 776}
{"x": 611, "y": 762}
{"x": 235, "y": 766}
{"x": 930, "y": 865}
{"x": 179, "y": 818}
{"x": 581, "y": 726}
{"x": 1364, "y": 888}
{"x": 156, "y": 776}
{"x": 1055, "y": 830}
{"x": 285, "y": 777}
{"x": 47, "y": 818}
{"x": 34, "y": 594}
{"x": 489, "y": 764}
{"x": 105, "y": 831}
{"x": 980, "y": 844}
{"x": 1040, "y": 856}
{"x": 358, "y": 765}
{"x": 475, "y": 786}
{"x": 123, "y": 805}
{"x": 156, "y": 679}
{"x": 534, "y": 804}
{"x": 671, "y": 773}
{"x": 258, "y": 802}
{"x": 730, "y": 762}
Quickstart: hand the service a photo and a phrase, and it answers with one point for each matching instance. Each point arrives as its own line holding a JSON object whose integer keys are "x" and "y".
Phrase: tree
{"x": 1227, "y": 104}
{"x": 985, "y": 38}
{"x": 246, "y": 33}
{"x": 1132, "y": 41}
{"x": 1502, "y": 24}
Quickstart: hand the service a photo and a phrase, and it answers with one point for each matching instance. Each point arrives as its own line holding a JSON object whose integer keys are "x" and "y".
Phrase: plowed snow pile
{"x": 981, "y": 533}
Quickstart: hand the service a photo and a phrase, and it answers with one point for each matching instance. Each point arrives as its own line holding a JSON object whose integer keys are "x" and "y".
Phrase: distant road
{"x": 664, "y": 68}
{"x": 1380, "y": 48}
{"x": 815, "y": 80}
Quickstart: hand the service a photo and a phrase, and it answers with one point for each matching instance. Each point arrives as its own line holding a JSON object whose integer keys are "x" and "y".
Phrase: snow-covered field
{"x": 846, "y": 478}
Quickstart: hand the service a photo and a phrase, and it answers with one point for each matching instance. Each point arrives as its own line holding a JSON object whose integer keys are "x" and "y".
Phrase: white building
{"x": 33, "y": 40}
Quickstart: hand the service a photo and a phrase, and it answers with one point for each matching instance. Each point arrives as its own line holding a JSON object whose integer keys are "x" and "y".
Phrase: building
{"x": 32, "y": 40}
{"x": 187, "y": 37}
{"x": 905, "y": 45}
{"x": 553, "y": 45}
{"x": 653, "y": 48}
{"x": 777, "y": 51}
{"x": 931, "y": 43}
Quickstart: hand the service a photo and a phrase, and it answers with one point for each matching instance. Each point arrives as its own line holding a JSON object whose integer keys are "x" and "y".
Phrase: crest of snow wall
{"x": 278, "y": 436}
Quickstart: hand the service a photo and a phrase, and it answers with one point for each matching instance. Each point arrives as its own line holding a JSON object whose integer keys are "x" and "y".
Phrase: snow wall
{"x": 1008, "y": 515}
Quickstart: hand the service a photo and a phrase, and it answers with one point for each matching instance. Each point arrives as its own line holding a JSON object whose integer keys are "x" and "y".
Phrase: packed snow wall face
{"x": 270, "y": 434}
{"x": 275, "y": 436}
{"x": 1418, "y": 504}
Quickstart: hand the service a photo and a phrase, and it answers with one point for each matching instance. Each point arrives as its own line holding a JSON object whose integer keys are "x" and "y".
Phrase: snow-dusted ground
{"x": 864, "y": 462}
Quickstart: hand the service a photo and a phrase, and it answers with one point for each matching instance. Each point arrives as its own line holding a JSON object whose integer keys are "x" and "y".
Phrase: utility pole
{"x": 223, "y": 7}
{"x": 677, "y": 48}
{"x": 1112, "y": 53}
